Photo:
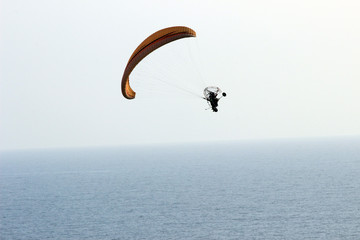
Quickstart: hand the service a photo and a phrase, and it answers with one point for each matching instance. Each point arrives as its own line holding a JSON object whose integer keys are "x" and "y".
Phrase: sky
{"x": 290, "y": 69}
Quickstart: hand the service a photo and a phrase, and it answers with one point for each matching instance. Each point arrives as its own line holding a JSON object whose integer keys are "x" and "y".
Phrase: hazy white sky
{"x": 290, "y": 68}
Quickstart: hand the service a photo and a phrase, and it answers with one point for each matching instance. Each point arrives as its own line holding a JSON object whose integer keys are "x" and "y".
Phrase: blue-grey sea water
{"x": 294, "y": 189}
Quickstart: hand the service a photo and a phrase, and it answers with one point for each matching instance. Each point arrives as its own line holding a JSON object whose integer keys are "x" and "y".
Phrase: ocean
{"x": 283, "y": 189}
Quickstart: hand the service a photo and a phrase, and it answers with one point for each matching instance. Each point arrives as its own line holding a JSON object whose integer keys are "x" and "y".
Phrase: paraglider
{"x": 211, "y": 96}
{"x": 153, "y": 42}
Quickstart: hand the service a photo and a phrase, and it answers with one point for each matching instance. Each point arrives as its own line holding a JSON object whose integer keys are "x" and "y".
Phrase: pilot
{"x": 213, "y": 100}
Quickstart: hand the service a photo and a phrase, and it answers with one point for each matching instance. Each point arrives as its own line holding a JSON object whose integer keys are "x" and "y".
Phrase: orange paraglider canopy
{"x": 153, "y": 42}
